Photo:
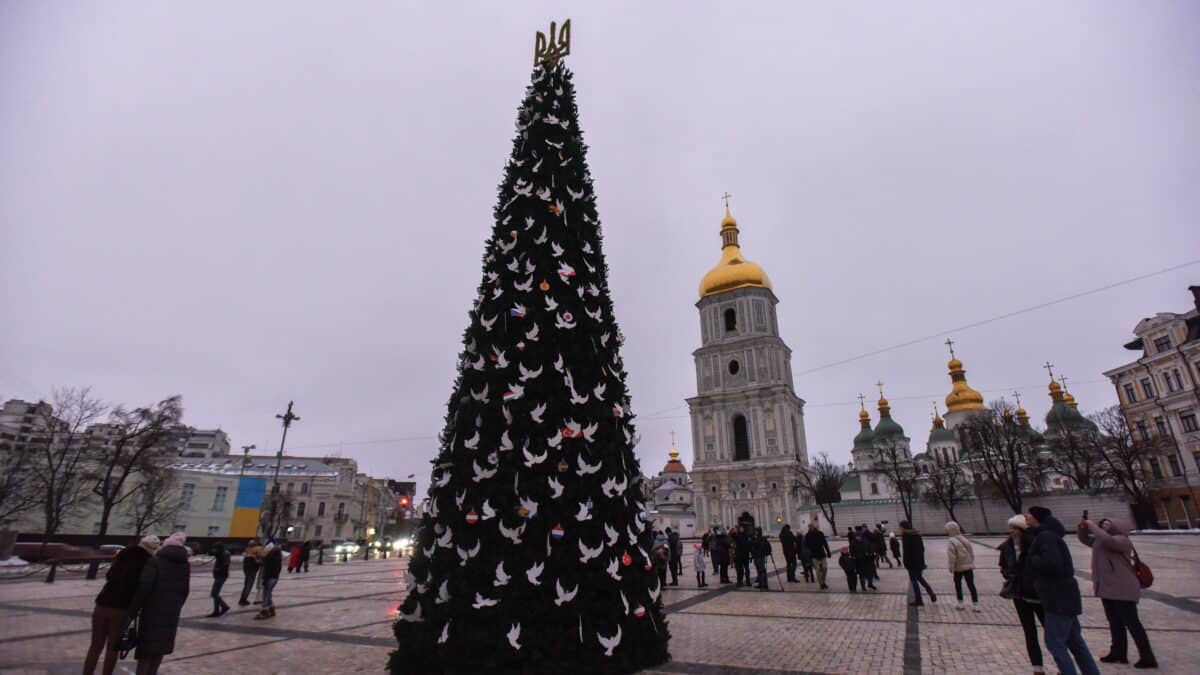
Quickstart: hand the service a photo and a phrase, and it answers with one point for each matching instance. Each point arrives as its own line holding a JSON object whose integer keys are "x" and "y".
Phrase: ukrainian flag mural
{"x": 247, "y": 507}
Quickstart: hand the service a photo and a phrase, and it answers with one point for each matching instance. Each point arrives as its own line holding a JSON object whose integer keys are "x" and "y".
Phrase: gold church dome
{"x": 733, "y": 271}
{"x": 961, "y": 397}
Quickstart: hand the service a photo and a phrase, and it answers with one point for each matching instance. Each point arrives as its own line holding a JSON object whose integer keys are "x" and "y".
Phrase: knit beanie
{"x": 1019, "y": 521}
{"x": 150, "y": 543}
{"x": 176, "y": 539}
{"x": 1039, "y": 512}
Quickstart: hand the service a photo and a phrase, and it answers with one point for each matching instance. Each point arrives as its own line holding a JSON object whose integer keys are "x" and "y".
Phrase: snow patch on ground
{"x": 13, "y": 562}
{"x": 1178, "y": 531}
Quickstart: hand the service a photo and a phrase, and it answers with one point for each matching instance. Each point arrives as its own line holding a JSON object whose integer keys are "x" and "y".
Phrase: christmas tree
{"x": 533, "y": 554}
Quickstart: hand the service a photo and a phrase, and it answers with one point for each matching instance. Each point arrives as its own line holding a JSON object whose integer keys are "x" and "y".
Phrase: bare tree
{"x": 155, "y": 500}
{"x": 1077, "y": 453}
{"x": 58, "y": 469}
{"x": 900, "y": 471}
{"x": 947, "y": 485}
{"x": 822, "y": 482}
{"x": 1000, "y": 453}
{"x": 276, "y": 513}
{"x": 1124, "y": 458}
{"x": 16, "y": 493}
{"x": 139, "y": 440}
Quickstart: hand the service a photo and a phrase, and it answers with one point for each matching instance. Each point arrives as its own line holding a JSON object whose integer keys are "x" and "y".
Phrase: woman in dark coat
{"x": 721, "y": 555}
{"x": 158, "y": 601}
{"x": 787, "y": 540}
{"x": 220, "y": 556}
{"x": 1018, "y": 585}
{"x": 112, "y": 605}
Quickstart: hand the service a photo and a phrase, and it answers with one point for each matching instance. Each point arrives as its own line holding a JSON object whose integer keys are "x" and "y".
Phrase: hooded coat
{"x": 1053, "y": 571}
{"x": 1015, "y": 568}
{"x": 1112, "y": 565}
{"x": 787, "y": 540}
{"x": 959, "y": 553}
{"x": 720, "y": 551}
{"x": 160, "y": 595}
{"x": 122, "y": 579}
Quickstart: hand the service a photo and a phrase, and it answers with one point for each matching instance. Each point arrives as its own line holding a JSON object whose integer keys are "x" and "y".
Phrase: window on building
{"x": 304, "y": 488}
{"x": 1147, "y": 388}
{"x": 1188, "y": 420}
{"x": 185, "y": 496}
{"x": 320, "y": 509}
{"x": 1173, "y": 462}
{"x": 1130, "y": 394}
{"x": 300, "y": 509}
{"x": 317, "y": 531}
{"x": 341, "y": 512}
{"x": 734, "y": 367}
{"x": 730, "y": 320}
{"x": 1142, "y": 430}
{"x": 1163, "y": 343}
{"x": 219, "y": 498}
{"x": 741, "y": 439}
{"x": 290, "y": 487}
{"x": 1178, "y": 379}
{"x": 713, "y": 489}
{"x": 1167, "y": 379}
{"x": 874, "y": 488}
{"x": 1156, "y": 468}
{"x": 214, "y": 530}
{"x": 1161, "y": 425}
{"x": 179, "y": 527}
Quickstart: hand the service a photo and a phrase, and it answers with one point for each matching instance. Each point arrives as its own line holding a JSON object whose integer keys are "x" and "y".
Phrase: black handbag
{"x": 129, "y": 640}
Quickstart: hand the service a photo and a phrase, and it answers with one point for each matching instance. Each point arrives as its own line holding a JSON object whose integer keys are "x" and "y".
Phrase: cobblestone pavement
{"x": 338, "y": 619}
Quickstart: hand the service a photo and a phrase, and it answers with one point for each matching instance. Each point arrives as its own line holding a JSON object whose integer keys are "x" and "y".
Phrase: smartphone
{"x": 1085, "y": 514}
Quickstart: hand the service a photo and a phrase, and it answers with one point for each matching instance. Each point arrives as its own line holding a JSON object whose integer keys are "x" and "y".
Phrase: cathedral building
{"x": 747, "y": 421}
{"x": 671, "y": 495}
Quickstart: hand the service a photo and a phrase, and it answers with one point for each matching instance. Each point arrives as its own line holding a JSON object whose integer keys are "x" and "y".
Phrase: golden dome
{"x": 864, "y": 417}
{"x": 1022, "y": 416}
{"x": 1056, "y": 393}
{"x": 1069, "y": 399}
{"x": 733, "y": 271}
{"x": 961, "y": 397}
{"x": 673, "y": 464}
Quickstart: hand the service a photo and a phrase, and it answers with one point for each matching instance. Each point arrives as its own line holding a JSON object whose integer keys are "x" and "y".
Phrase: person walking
{"x": 879, "y": 547}
{"x": 818, "y": 547}
{"x": 113, "y": 601}
{"x": 1054, "y": 581}
{"x": 706, "y": 545}
{"x": 220, "y": 557}
{"x": 661, "y": 555}
{"x": 162, "y": 589}
{"x": 760, "y": 549}
{"x": 305, "y": 553}
{"x": 895, "y": 543}
{"x": 721, "y": 555}
{"x": 1118, "y": 588}
{"x": 698, "y": 563}
{"x": 712, "y": 548}
{"x": 806, "y": 559}
{"x": 787, "y": 541}
{"x": 846, "y": 562}
{"x": 960, "y": 557}
{"x": 250, "y": 565}
{"x": 741, "y": 555}
{"x": 295, "y": 557}
{"x": 914, "y": 561}
{"x": 272, "y": 565}
{"x": 676, "y": 555}
{"x": 860, "y": 550}
{"x": 1018, "y": 585}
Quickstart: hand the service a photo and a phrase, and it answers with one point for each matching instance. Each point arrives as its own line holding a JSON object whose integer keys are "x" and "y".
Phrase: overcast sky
{"x": 246, "y": 203}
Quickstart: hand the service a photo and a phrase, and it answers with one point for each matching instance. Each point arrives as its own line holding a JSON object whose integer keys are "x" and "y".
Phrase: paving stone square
{"x": 337, "y": 619}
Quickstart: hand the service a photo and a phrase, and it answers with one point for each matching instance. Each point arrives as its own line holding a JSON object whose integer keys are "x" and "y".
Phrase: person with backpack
{"x": 1118, "y": 588}
{"x": 961, "y": 559}
{"x": 760, "y": 549}
{"x": 272, "y": 566}
{"x": 112, "y": 604}
{"x": 787, "y": 541}
{"x": 1054, "y": 581}
{"x": 818, "y": 547}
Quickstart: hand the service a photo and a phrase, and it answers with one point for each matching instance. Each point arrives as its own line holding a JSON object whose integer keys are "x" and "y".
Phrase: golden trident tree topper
{"x": 550, "y": 50}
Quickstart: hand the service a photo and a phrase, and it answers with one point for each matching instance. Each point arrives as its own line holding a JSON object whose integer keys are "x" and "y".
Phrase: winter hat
{"x": 150, "y": 543}
{"x": 176, "y": 539}
{"x": 1039, "y": 512}
{"x": 1018, "y": 521}
{"x": 953, "y": 529}
{"x": 697, "y": 547}
{"x": 904, "y": 524}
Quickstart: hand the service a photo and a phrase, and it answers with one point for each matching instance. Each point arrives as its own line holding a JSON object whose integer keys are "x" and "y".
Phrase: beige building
{"x": 1160, "y": 399}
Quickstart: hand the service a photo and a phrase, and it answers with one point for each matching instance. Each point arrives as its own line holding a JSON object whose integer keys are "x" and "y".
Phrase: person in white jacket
{"x": 961, "y": 558}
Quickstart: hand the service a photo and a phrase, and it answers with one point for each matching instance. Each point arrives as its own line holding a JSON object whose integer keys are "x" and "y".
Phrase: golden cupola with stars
{"x": 962, "y": 398}
{"x": 674, "y": 465}
{"x": 733, "y": 271}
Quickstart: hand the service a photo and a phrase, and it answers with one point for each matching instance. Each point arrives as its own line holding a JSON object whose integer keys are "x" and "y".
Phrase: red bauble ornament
{"x": 557, "y": 532}
{"x": 640, "y": 611}
{"x": 512, "y": 233}
{"x": 626, "y": 559}
{"x": 472, "y": 517}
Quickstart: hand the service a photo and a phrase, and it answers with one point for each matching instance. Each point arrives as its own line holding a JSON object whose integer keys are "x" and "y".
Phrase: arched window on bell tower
{"x": 741, "y": 440}
{"x": 730, "y": 320}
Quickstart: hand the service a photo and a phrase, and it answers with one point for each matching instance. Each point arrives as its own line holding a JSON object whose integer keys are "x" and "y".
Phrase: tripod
{"x": 776, "y": 568}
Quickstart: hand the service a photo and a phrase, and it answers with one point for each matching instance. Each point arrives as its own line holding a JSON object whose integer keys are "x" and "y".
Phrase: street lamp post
{"x": 288, "y": 417}
{"x": 245, "y": 458}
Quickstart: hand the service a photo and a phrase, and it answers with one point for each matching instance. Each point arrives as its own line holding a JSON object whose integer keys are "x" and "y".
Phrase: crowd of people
{"x": 147, "y": 585}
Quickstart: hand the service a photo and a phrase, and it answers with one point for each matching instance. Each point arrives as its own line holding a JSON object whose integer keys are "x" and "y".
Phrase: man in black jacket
{"x": 914, "y": 561}
{"x": 818, "y": 547}
{"x": 741, "y": 555}
{"x": 676, "y": 562}
{"x": 860, "y": 550}
{"x": 112, "y": 604}
{"x": 760, "y": 549}
{"x": 1054, "y": 581}
{"x": 272, "y": 565}
{"x": 221, "y": 557}
{"x": 787, "y": 541}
